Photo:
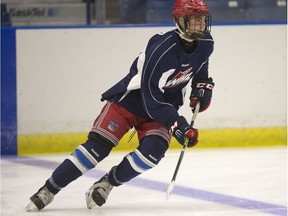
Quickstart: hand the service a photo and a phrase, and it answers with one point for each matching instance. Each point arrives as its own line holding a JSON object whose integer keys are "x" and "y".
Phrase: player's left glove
{"x": 181, "y": 130}
{"x": 207, "y": 85}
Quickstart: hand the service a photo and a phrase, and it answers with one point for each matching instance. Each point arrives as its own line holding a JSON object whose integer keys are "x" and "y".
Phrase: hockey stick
{"x": 172, "y": 183}
{"x": 132, "y": 135}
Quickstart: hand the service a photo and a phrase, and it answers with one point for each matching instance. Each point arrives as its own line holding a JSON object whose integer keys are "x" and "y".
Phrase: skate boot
{"x": 99, "y": 191}
{"x": 40, "y": 199}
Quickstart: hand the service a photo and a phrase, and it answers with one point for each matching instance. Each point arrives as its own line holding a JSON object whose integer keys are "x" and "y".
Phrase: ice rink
{"x": 210, "y": 182}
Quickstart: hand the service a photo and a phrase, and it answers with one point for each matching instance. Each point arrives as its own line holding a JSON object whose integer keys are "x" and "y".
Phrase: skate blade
{"x": 31, "y": 207}
{"x": 89, "y": 201}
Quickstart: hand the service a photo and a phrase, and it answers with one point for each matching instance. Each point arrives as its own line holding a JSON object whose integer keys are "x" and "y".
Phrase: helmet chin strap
{"x": 182, "y": 35}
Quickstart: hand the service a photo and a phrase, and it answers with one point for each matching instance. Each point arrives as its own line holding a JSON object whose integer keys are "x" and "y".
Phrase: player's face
{"x": 193, "y": 25}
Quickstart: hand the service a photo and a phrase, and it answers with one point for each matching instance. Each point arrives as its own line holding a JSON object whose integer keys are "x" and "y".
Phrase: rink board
{"x": 209, "y": 138}
{"x": 37, "y": 102}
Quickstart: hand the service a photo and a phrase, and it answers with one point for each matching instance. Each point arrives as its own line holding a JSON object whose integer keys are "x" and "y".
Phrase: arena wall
{"x": 62, "y": 72}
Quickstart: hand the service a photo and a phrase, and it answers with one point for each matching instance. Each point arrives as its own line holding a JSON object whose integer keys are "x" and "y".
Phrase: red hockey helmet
{"x": 192, "y": 18}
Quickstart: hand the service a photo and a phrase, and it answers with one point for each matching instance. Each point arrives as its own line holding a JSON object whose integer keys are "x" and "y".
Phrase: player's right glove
{"x": 180, "y": 129}
{"x": 207, "y": 85}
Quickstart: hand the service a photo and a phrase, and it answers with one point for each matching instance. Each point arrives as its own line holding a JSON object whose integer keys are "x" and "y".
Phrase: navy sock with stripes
{"x": 149, "y": 153}
{"x": 84, "y": 158}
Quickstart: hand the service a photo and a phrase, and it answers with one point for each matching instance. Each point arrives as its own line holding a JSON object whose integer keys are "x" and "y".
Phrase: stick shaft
{"x": 186, "y": 143}
{"x": 172, "y": 183}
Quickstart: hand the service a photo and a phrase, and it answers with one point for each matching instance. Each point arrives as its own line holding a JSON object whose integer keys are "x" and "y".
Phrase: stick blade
{"x": 170, "y": 189}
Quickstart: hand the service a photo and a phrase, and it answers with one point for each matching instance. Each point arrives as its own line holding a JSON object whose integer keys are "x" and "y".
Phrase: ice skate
{"x": 40, "y": 199}
{"x": 99, "y": 192}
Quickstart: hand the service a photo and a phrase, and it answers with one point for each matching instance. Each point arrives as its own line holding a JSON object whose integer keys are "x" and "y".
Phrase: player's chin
{"x": 196, "y": 35}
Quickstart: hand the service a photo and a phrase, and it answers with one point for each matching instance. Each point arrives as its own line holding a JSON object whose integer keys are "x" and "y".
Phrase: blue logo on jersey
{"x": 113, "y": 126}
{"x": 180, "y": 78}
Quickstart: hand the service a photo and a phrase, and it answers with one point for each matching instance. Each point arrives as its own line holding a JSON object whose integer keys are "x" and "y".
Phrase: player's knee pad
{"x": 86, "y": 156}
{"x": 149, "y": 153}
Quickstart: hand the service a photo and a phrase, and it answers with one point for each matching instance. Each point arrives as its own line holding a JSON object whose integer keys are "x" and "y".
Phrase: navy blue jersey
{"x": 155, "y": 86}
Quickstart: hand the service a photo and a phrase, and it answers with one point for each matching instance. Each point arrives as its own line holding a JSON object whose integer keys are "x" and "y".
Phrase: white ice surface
{"x": 210, "y": 182}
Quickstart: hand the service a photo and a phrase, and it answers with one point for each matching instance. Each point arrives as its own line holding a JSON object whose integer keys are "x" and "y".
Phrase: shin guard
{"x": 84, "y": 158}
{"x": 149, "y": 153}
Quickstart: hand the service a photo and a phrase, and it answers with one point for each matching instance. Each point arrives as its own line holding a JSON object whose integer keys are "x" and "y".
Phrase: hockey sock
{"x": 149, "y": 153}
{"x": 84, "y": 158}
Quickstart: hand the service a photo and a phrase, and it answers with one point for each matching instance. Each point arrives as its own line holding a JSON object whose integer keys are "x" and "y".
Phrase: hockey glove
{"x": 204, "y": 99}
{"x": 180, "y": 129}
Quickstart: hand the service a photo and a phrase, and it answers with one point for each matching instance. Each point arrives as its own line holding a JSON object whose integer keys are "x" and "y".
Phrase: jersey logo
{"x": 180, "y": 78}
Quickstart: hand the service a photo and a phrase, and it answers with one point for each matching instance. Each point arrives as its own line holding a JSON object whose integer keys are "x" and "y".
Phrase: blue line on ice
{"x": 162, "y": 187}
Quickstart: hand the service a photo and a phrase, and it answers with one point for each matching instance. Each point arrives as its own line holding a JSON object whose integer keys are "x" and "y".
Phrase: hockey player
{"x": 148, "y": 99}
